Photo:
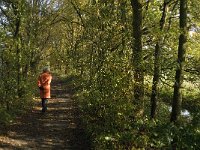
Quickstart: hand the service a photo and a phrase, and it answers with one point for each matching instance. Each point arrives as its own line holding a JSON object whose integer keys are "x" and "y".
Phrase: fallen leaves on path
{"x": 58, "y": 128}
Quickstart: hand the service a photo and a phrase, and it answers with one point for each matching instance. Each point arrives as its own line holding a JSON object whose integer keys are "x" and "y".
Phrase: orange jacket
{"x": 44, "y": 81}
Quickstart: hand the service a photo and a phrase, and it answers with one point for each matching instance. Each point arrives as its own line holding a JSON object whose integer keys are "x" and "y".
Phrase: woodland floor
{"x": 58, "y": 128}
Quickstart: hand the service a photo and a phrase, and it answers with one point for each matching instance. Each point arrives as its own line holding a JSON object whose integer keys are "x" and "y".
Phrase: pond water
{"x": 184, "y": 112}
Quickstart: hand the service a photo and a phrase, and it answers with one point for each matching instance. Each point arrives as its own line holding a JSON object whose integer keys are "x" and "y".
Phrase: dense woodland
{"x": 134, "y": 66}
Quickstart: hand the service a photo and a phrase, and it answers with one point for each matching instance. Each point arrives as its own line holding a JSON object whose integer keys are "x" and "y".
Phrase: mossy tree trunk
{"x": 138, "y": 57}
{"x": 177, "y": 96}
{"x": 157, "y": 61}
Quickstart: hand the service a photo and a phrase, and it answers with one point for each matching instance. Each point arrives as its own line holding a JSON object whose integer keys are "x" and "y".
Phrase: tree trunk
{"x": 124, "y": 26}
{"x": 157, "y": 55}
{"x": 17, "y": 41}
{"x": 156, "y": 77}
{"x": 177, "y": 96}
{"x": 138, "y": 57}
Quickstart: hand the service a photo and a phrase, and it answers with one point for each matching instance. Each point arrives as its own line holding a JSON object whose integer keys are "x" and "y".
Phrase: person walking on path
{"x": 44, "y": 84}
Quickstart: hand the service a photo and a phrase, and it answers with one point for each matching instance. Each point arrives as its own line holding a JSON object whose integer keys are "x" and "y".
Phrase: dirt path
{"x": 57, "y": 129}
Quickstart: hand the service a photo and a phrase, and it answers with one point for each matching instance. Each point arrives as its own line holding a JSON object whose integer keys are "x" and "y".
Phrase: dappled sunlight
{"x": 57, "y": 128}
{"x": 12, "y": 141}
{"x": 72, "y": 125}
{"x": 54, "y": 124}
{"x": 51, "y": 141}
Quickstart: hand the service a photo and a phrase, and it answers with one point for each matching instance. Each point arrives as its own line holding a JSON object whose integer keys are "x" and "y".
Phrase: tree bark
{"x": 177, "y": 96}
{"x": 17, "y": 41}
{"x": 156, "y": 77}
{"x": 157, "y": 59}
{"x": 124, "y": 26}
{"x": 138, "y": 57}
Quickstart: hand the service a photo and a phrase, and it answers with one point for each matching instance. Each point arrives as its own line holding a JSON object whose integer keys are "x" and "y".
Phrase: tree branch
{"x": 78, "y": 12}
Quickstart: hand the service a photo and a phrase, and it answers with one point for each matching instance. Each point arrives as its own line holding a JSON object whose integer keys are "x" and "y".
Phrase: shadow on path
{"x": 58, "y": 128}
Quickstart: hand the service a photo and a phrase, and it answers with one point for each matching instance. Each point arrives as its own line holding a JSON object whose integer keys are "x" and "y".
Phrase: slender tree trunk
{"x": 124, "y": 26}
{"x": 156, "y": 77}
{"x": 91, "y": 71}
{"x": 17, "y": 42}
{"x": 138, "y": 57}
{"x": 157, "y": 59}
{"x": 177, "y": 96}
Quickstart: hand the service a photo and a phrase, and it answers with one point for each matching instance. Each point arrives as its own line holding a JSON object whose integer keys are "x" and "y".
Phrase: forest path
{"x": 57, "y": 129}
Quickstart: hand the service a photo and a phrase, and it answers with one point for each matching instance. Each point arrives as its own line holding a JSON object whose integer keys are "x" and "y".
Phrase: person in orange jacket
{"x": 44, "y": 84}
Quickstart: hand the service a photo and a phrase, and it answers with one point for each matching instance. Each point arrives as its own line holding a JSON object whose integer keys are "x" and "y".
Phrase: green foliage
{"x": 91, "y": 44}
{"x": 11, "y": 104}
{"x": 101, "y": 56}
{"x": 5, "y": 117}
{"x": 110, "y": 125}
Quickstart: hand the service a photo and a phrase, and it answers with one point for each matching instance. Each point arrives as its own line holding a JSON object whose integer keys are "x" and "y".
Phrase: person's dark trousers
{"x": 44, "y": 104}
